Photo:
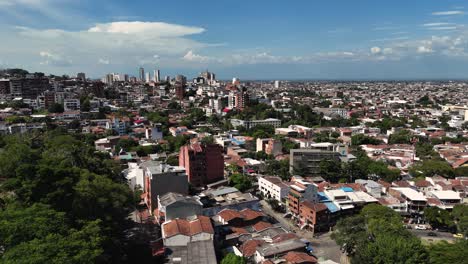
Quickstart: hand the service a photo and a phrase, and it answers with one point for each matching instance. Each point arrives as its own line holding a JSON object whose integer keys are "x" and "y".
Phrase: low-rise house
{"x": 180, "y": 232}
{"x": 373, "y": 188}
{"x": 216, "y": 200}
{"x": 175, "y": 205}
{"x": 277, "y": 250}
{"x": 236, "y": 218}
{"x": 445, "y": 199}
{"x": 415, "y": 201}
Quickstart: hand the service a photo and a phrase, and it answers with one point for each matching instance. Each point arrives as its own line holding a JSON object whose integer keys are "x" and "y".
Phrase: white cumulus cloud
{"x": 103, "y": 61}
{"x": 153, "y": 29}
{"x": 375, "y": 50}
{"x": 448, "y": 13}
{"x": 53, "y": 59}
{"x": 424, "y": 49}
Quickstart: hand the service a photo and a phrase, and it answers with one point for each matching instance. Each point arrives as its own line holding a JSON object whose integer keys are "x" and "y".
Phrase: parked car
{"x": 420, "y": 227}
{"x": 458, "y": 235}
{"x": 432, "y": 234}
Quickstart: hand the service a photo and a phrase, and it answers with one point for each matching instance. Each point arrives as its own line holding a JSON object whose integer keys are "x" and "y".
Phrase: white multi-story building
{"x": 248, "y": 124}
{"x": 273, "y": 188}
{"x": 71, "y": 104}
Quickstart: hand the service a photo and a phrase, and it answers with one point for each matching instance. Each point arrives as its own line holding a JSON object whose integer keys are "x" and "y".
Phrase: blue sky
{"x": 259, "y": 39}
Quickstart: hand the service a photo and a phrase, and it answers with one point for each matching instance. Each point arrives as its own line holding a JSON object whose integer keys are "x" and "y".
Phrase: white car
{"x": 420, "y": 227}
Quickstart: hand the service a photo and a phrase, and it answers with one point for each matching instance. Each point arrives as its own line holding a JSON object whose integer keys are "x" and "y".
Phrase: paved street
{"x": 324, "y": 247}
{"x": 423, "y": 234}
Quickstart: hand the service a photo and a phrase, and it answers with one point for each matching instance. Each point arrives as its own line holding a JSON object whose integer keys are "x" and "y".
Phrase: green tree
{"x": 361, "y": 139}
{"x": 56, "y": 108}
{"x": 79, "y": 246}
{"x": 125, "y": 144}
{"x": 18, "y": 224}
{"x": 425, "y": 150}
{"x": 377, "y": 235}
{"x": 240, "y": 181}
{"x": 429, "y": 168}
{"x": 232, "y": 258}
{"x": 85, "y": 105}
{"x": 331, "y": 170}
{"x": 278, "y": 168}
{"x": 460, "y": 215}
{"x": 400, "y": 137}
{"x": 61, "y": 191}
{"x": 438, "y": 217}
{"x": 443, "y": 252}
{"x": 173, "y": 160}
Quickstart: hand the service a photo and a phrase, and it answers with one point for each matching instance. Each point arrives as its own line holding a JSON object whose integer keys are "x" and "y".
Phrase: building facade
{"x": 204, "y": 163}
{"x": 308, "y": 160}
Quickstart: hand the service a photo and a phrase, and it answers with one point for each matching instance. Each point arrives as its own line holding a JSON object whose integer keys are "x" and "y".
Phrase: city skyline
{"x": 307, "y": 40}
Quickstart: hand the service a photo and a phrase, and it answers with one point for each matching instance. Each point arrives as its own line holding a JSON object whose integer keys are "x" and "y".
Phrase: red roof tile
{"x": 250, "y": 214}
{"x": 299, "y": 257}
{"x": 250, "y": 246}
{"x": 260, "y": 226}
{"x": 422, "y": 183}
{"x": 189, "y": 228}
{"x": 228, "y": 214}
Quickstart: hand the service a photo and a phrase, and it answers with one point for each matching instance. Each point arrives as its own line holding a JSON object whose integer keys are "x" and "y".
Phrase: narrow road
{"x": 440, "y": 235}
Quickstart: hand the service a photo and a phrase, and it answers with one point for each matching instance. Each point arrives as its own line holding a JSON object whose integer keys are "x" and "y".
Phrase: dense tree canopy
{"x": 444, "y": 252}
{"x": 377, "y": 236}
{"x": 361, "y": 139}
{"x": 63, "y": 201}
{"x": 231, "y": 258}
{"x": 240, "y": 181}
{"x": 429, "y": 168}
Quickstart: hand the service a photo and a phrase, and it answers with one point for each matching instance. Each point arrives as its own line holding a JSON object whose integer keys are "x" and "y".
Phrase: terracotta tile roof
{"x": 228, "y": 214}
{"x": 260, "y": 226}
{"x": 401, "y": 184}
{"x": 433, "y": 201}
{"x": 250, "y": 214}
{"x": 299, "y": 257}
{"x": 189, "y": 228}
{"x": 460, "y": 162}
{"x": 422, "y": 183}
{"x": 384, "y": 183}
{"x": 246, "y": 214}
{"x": 239, "y": 230}
{"x": 249, "y": 247}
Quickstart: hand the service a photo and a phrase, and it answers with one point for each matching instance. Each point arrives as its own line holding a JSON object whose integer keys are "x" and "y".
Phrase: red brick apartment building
{"x": 203, "y": 163}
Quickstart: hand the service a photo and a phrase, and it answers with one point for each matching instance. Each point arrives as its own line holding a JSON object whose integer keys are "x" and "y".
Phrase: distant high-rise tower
{"x": 277, "y": 84}
{"x": 156, "y": 76}
{"x": 142, "y": 74}
{"x": 235, "y": 80}
{"x": 109, "y": 78}
{"x": 81, "y": 76}
{"x": 147, "y": 77}
{"x": 181, "y": 79}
